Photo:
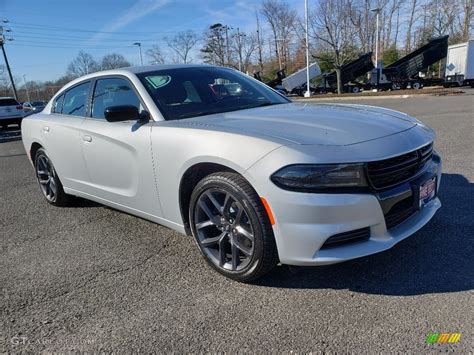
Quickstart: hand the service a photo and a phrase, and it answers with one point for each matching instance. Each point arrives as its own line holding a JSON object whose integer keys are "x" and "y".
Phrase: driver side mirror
{"x": 125, "y": 113}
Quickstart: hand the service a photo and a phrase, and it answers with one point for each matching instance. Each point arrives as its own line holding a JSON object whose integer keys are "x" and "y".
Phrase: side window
{"x": 75, "y": 100}
{"x": 112, "y": 92}
{"x": 58, "y": 104}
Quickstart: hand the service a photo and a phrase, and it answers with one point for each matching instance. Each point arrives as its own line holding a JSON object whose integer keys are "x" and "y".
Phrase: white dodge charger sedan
{"x": 253, "y": 177}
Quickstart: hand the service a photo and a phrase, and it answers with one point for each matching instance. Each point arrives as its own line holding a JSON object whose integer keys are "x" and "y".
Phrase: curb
{"x": 367, "y": 97}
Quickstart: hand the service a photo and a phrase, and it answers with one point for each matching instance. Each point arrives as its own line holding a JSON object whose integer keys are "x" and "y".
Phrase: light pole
{"x": 26, "y": 87}
{"x": 308, "y": 90}
{"x": 139, "y": 45}
{"x": 377, "y": 12}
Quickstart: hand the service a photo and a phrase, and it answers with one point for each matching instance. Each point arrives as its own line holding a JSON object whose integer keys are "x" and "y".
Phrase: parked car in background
{"x": 11, "y": 112}
{"x": 255, "y": 178}
{"x": 34, "y": 106}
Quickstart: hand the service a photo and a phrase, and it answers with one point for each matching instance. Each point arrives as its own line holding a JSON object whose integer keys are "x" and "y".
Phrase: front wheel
{"x": 48, "y": 180}
{"x": 231, "y": 227}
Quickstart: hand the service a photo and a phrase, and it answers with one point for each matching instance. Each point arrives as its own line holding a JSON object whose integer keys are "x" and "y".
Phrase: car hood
{"x": 324, "y": 124}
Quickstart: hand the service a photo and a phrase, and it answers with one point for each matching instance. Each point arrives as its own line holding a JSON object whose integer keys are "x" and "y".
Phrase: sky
{"x": 48, "y": 34}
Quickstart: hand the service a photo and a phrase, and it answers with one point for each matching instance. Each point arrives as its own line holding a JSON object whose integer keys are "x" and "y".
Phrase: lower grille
{"x": 400, "y": 212}
{"x": 353, "y": 236}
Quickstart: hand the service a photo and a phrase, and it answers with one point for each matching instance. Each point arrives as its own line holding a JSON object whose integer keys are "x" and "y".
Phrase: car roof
{"x": 7, "y": 98}
{"x": 133, "y": 70}
{"x": 148, "y": 68}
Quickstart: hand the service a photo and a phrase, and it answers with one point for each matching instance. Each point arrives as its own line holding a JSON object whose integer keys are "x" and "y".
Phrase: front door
{"x": 118, "y": 154}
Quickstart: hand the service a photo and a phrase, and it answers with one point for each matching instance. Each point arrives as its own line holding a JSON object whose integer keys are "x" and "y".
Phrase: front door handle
{"x": 45, "y": 129}
{"x": 87, "y": 138}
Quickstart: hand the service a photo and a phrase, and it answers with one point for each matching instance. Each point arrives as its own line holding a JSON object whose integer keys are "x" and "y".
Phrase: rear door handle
{"x": 45, "y": 129}
{"x": 87, "y": 138}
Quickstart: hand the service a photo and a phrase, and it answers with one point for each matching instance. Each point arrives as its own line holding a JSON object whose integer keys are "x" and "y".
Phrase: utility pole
{"x": 139, "y": 50}
{"x": 239, "y": 45}
{"x": 308, "y": 89}
{"x": 26, "y": 87}
{"x": 377, "y": 12}
{"x": 226, "y": 29}
{"x": 260, "y": 57}
{"x": 2, "y": 42}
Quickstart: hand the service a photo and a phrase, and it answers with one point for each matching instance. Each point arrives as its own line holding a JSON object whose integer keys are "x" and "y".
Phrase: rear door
{"x": 60, "y": 135}
{"x": 118, "y": 154}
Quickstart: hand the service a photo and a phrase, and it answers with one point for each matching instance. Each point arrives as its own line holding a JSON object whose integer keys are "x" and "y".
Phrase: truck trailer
{"x": 404, "y": 72}
{"x": 349, "y": 73}
{"x": 460, "y": 65}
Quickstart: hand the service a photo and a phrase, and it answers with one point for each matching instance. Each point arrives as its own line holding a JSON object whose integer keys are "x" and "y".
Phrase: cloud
{"x": 139, "y": 10}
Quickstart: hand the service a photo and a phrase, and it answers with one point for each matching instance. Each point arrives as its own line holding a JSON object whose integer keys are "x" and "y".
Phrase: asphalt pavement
{"x": 89, "y": 278}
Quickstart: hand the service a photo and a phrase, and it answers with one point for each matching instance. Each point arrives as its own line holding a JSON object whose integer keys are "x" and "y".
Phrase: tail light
{"x": 19, "y": 107}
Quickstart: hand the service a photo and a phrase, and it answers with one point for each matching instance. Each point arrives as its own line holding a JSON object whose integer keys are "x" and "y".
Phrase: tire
{"x": 416, "y": 85}
{"x": 355, "y": 89}
{"x": 231, "y": 227}
{"x": 49, "y": 181}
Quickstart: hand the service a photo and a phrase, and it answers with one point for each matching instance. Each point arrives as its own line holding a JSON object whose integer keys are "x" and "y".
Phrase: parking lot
{"x": 92, "y": 278}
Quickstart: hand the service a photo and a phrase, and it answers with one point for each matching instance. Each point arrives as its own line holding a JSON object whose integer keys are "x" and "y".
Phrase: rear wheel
{"x": 231, "y": 227}
{"x": 48, "y": 180}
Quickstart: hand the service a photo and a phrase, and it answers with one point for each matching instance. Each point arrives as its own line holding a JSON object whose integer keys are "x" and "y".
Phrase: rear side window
{"x": 75, "y": 100}
{"x": 112, "y": 92}
{"x": 8, "y": 102}
{"x": 58, "y": 104}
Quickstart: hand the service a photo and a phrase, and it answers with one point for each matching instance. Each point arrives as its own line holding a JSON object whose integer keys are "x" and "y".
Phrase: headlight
{"x": 304, "y": 177}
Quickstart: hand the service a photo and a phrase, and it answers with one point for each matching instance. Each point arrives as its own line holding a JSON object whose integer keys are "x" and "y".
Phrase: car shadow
{"x": 79, "y": 202}
{"x": 436, "y": 259}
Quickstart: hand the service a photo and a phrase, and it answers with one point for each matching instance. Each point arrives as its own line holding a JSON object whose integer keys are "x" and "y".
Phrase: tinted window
{"x": 75, "y": 100}
{"x": 189, "y": 92}
{"x": 112, "y": 92}
{"x": 58, "y": 104}
{"x": 8, "y": 102}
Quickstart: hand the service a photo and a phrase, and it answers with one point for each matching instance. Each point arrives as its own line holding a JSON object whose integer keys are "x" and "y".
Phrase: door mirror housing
{"x": 121, "y": 113}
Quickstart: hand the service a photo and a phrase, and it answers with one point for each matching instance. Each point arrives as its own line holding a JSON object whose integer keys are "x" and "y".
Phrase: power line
{"x": 40, "y": 27}
{"x": 24, "y": 44}
{"x": 62, "y": 38}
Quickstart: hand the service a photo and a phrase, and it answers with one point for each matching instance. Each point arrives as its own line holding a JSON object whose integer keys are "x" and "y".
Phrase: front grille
{"x": 400, "y": 212}
{"x": 353, "y": 236}
{"x": 389, "y": 172}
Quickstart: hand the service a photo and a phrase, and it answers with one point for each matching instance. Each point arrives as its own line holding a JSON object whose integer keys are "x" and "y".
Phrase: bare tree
{"x": 81, "y": 65}
{"x": 282, "y": 20}
{"x": 244, "y": 46}
{"x": 411, "y": 21}
{"x": 182, "y": 44}
{"x": 214, "y": 50}
{"x": 467, "y": 6}
{"x": 156, "y": 55}
{"x": 330, "y": 23}
{"x": 114, "y": 61}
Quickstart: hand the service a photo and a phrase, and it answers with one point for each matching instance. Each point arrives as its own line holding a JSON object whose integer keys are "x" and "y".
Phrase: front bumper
{"x": 305, "y": 221}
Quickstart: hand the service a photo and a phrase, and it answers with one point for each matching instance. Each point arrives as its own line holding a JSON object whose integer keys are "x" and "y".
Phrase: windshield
{"x": 196, "y": 91}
